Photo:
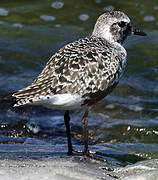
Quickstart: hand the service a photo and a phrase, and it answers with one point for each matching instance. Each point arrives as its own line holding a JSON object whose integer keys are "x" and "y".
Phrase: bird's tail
{"x": 24, "y": 96}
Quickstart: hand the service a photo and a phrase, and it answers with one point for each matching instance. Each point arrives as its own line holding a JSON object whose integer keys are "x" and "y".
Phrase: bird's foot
{"x": 93, "y": 155}
{"x": 75, "y": 153}
{"x": 87, "y": 154}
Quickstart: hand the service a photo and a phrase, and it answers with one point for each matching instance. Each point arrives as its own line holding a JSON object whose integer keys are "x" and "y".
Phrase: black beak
{"x": 138, "y": 32}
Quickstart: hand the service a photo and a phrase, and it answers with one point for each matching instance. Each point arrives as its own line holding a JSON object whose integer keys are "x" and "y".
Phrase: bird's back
{"x": 86, "y": 69}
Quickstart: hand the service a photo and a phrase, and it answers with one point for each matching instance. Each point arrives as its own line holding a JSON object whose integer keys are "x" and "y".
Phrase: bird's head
{"x": 115, "y": 26}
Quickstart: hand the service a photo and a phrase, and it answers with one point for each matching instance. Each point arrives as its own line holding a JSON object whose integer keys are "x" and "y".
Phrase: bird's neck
{"x": 108, "y": 40}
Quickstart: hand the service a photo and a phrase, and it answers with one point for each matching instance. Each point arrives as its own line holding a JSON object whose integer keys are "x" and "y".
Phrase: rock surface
{"x": 74, "y": 168}
{"x": 55, "y": 168}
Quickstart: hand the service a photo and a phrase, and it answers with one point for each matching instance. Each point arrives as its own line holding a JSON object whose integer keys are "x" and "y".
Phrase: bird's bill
{"x": 138, "y": 32}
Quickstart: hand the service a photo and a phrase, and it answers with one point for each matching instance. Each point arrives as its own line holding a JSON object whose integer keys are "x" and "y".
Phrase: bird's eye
{"x": 122, "y": 24}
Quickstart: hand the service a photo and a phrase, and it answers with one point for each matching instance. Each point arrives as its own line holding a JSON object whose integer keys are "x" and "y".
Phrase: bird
{"x": 82, "y": 72}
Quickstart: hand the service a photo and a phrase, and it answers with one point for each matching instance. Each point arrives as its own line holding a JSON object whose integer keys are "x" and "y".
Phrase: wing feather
{"x": 84, "y": 66}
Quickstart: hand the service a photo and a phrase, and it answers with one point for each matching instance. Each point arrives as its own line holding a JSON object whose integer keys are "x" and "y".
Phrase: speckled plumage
{"x": 84, "y": 67}
{"x": 84, "y": 71}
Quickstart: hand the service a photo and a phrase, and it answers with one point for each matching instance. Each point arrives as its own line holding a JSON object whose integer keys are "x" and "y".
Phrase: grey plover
{"x": 82, "y": 72}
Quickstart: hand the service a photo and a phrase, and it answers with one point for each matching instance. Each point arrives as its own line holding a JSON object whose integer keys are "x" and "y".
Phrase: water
{"x": 125, "y": 122}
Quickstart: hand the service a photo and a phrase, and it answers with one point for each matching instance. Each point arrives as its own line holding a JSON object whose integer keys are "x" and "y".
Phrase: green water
{"x": 126, "y": 121}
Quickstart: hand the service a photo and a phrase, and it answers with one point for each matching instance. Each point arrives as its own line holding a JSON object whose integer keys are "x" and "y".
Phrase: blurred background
{"x": 124, "y": 123}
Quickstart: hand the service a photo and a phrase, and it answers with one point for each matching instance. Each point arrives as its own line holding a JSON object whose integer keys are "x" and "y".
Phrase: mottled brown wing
{"x": 79, "y": 67}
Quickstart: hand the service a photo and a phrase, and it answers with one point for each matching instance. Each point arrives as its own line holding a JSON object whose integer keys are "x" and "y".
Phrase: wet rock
{"x": 83, "y": 17}
{"x": 47, "y": 18}
{"x": 144, "y": 170}
{"x": 109, "y": 8}
{"x": 142, "y": 12}
{"x": 149, "y": 18}
{"x": 1, "y": 22}
{"x": 17, "y": 25}
{"x": 56, "y": 169}
{"x": 155, "y": 7}
{"x": 98, "y": 1}
{"x": 110, "y": 106}
{"x": 57, "y": 4}
{"x": 3, "y": 12}
{"x": 33, "y": 128}
{"x": 136, "y": 108}
{"x": 57, "y": 25}
{"x": 76, "y": 168}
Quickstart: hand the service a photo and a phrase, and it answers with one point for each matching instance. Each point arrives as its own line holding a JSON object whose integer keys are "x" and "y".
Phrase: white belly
{"x": 60, "y": 101}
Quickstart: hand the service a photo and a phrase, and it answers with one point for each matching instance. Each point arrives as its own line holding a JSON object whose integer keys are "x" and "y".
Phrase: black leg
{"x": 85, "y": 133}
{"x": 85, "y": 137}
{"x": 67, "y": 124}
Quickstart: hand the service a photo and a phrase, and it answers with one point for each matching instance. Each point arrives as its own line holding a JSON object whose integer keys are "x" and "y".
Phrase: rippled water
{"x": 31, "y": 31}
